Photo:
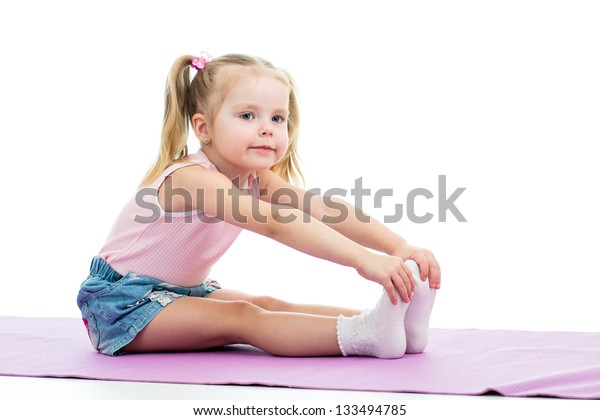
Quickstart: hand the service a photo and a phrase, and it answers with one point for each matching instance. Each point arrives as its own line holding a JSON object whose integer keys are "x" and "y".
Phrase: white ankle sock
{"x": 378, "y": 333}
{"x": 416, "y": 320}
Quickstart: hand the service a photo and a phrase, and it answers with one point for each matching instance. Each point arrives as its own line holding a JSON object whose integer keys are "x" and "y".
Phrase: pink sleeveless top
{"x": 177, "y": 248}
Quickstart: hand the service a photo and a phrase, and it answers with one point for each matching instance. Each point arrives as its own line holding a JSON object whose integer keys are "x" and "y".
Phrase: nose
{"x": 266, "y": 130}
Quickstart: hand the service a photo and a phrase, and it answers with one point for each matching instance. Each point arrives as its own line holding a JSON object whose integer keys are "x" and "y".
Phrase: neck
{"x": 238, "y": 176}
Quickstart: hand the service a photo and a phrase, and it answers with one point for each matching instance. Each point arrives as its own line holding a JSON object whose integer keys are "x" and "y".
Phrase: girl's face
{"x": 250, "y": 130}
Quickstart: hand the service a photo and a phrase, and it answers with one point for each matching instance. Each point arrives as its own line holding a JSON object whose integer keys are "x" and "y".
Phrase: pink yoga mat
{"x": 467, "y": 362}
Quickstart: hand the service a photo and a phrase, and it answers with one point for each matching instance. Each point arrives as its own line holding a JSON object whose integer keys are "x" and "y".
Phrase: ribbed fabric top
{"x": 177, "y": 248}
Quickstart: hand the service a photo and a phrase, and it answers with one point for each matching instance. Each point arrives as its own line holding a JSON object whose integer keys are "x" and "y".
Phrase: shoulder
{"x": 268, "y": 177}
{"x": 188, "y": 172}
{"x": 194, "y": 176}
{"x": 276, "y": 190}
{"x": 184, "y": 187}
{"x": 270, "y": 182}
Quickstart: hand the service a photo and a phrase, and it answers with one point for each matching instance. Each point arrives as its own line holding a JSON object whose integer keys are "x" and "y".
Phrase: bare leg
{"x": 191, "y": 323}
{"x": 277, "y": 305}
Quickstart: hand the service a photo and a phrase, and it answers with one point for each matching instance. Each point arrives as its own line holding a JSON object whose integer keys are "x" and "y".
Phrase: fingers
{"x": 391, "y": 292}
{"x": 423, "y": 264}
{"x": 429, "y": 268}
{"x": 402, "y": 282}
{"x": 435, "y": 274}
{"x": 435, "y": 280}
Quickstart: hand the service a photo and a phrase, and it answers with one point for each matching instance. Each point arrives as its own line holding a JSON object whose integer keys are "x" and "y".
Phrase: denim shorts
{"x": 116, "y": 308}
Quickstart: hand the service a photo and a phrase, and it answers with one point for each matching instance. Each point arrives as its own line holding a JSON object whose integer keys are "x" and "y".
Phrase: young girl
{"x": 148, "y": 289}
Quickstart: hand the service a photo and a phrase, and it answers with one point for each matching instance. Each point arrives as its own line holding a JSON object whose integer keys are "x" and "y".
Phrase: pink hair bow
{"x": 201, "y": 61}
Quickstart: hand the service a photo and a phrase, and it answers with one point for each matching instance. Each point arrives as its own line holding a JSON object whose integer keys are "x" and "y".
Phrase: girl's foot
{"x": 416, "y": 320}
{"x": 378, "y": 332}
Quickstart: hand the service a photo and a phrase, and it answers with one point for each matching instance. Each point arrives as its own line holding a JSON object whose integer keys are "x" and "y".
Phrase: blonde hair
{"x": 205, "y": 94}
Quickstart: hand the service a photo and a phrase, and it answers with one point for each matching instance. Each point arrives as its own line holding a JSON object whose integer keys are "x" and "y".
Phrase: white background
{"x": 501, "y": 97}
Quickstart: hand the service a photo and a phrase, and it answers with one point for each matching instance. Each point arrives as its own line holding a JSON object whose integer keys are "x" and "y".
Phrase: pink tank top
{"x": 177, "y": 248}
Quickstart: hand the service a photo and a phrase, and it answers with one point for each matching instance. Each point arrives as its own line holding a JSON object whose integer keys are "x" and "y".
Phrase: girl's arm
{"x": 350, "y": 222}
{"x": 214, "y": 194}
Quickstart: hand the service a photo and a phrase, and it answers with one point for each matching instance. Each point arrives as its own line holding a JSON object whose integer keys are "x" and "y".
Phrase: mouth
{"x": 263, "y": 148}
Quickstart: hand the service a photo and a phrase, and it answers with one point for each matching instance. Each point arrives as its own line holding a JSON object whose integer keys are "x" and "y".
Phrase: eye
{"x": 247, "y": 116}
{"x": 278, "y": 119}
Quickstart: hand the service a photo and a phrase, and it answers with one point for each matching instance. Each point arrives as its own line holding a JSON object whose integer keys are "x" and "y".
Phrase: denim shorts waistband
{"x": 99, "y": 267}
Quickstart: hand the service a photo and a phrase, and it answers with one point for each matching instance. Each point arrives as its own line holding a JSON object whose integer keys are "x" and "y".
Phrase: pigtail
{"x": 173, "y": 145}
{"x": 288, "y": 167}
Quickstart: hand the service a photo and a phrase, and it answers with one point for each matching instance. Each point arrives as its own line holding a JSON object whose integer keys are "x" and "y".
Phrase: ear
{"x": 200, "y": 126}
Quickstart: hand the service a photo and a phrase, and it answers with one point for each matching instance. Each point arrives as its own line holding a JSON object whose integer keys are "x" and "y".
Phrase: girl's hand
{"x": 391, "y": 273}
{"x": 426, "y": 261}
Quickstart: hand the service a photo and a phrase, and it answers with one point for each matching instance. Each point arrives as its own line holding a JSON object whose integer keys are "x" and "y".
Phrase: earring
{"x": 206, "y": 141}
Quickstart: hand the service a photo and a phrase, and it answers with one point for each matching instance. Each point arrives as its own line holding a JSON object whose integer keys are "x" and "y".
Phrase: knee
{"x": 234, "y": 319}
{"x": 270, "y": 303}
{"x": 239, "y": 310}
